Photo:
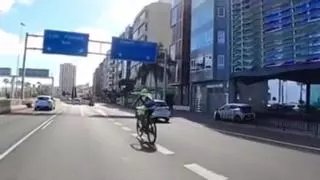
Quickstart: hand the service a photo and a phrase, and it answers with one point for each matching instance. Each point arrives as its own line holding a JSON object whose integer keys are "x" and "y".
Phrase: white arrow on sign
{"x": 148, "y": 58}
{"x": 48, "y": 48}
{"x": 119, "y": 54}
{"x": 81, "y": 50}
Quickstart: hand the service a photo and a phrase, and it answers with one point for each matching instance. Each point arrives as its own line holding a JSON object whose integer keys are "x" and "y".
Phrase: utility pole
{"x": 24, "y": 65}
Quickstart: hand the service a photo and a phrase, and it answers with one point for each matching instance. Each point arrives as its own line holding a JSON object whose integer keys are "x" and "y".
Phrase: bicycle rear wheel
{"x": 139, "y": 126}
{"x": 152, "y": 131}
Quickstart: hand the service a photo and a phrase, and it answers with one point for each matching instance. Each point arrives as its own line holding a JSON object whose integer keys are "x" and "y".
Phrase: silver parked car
{"x": 161, "y": 110}
{"x": 235, "y": 112}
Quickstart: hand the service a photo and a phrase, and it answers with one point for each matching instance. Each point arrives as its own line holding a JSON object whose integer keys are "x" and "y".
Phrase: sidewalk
{"x": 248, "y": 130}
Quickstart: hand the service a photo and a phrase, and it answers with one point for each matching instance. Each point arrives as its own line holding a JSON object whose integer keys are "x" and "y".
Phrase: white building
{"x": 152, "y": 23}
{"x": 67, "y": 77}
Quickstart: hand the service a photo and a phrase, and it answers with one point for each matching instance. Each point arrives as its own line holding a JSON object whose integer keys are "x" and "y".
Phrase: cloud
{"x": 6, "y": 5}
{"x": 120, "y": 13}
{"x": 9, "y": 43}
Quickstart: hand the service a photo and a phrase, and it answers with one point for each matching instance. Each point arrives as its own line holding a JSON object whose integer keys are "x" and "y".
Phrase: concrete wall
{"x": 6, "y": 104}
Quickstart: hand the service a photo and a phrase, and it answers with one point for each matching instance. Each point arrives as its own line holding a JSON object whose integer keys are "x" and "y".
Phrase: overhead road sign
{"x": 132, "y": 50}
{"x": 36, "y": 73}
{"x": 65, "y": 43}
{"x": 5, "y": 71}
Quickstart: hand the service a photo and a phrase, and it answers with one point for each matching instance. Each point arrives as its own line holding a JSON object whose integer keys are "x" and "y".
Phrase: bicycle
{"x": 146, "y": 125}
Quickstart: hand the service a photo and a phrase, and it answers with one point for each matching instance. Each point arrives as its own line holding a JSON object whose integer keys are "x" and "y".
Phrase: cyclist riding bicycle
{"x": 144, "y": 109}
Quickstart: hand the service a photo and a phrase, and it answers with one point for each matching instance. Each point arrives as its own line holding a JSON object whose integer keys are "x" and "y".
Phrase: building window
{"x": 221, "y": 12}
{"x": 146, "y": 27}
{"x": 221, "y": 60}
{"x": 221, "y": 37}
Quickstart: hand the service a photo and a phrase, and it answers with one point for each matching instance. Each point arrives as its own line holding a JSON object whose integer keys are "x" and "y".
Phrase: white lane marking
{"x": 134, "y": 134}
{"x": 118, "y": 124}
{"x": 270, "y": 140}
{"x": 14, "y": 146}
{"x": 163, "y": 150}
{"x": 46, "y": 125}
{"x": 209, "y": 175}
{"x": 126, "y": 128}
{"x": 102, "y": 113}
{"x": 81, "y": 111}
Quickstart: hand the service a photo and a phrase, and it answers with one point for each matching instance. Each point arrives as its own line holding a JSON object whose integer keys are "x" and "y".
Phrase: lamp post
{"x": 22, "y": 25}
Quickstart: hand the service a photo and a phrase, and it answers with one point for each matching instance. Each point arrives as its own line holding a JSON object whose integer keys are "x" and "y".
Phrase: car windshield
{"x": 161, "y": 103}
{"x": 43, "y": 98}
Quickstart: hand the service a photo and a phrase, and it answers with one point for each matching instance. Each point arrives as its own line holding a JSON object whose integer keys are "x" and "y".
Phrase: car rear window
{"x": 246, "y": 109}
{"x": 161, "y": 104}
{"x": 43, "y": 98}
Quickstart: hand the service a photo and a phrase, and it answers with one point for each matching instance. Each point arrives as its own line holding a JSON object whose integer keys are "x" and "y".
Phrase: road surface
{"x": 78, "y": 142}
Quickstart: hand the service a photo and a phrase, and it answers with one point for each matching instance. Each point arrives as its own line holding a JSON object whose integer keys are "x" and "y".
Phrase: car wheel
{"x": 217, "y": 117}
{"x": 166, "y": 120}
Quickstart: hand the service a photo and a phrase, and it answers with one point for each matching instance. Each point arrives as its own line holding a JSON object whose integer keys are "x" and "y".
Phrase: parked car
{"x": 91, "y": 103}
{"x": 235, "y": 112}
{"x": 77, "y": 101}
{"x": 44, "y": 103}
{"x": 162, "y": 110}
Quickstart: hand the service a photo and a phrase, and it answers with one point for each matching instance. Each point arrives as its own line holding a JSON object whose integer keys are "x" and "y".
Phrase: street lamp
{"x": 22, "y": 25}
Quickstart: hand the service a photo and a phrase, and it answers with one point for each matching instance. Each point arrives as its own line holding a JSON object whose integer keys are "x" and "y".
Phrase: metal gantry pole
{"x": 24, "y": 65}
{"x": 165, "y": 76}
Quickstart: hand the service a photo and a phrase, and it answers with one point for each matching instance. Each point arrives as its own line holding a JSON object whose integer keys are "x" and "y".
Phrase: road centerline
{"x": 209, "y": 175}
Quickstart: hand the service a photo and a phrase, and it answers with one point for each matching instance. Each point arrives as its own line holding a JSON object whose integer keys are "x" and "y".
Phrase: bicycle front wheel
{"x": 152, "y": 131}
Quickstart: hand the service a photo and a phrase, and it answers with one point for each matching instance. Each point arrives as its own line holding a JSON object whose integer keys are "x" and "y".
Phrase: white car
{"x": 235, "y": 112}
{"x": 44, "y": 103}
{"x": 161, "y": 110}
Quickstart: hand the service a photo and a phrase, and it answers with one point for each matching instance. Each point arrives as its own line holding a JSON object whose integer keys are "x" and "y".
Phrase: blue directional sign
{"x": 36, "y": 73}
{"x": 125, "y": 49}
{"x": 5, "y": 71}
{"x": 65, "y": 43}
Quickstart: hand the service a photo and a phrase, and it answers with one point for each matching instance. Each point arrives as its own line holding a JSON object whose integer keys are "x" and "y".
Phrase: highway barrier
{"x": 6, "y": 105}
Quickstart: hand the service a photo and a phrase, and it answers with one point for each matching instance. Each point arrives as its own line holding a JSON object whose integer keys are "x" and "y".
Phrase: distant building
{"x": 67, "y": 77}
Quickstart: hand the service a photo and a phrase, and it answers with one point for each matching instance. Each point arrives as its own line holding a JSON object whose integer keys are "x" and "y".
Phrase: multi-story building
{"x": 67, "y": 77}
{"x": 152, "y": 23}
{"x": 97, "y": 82}
{"x": 209, "y": 53}
{"x": 272, "y": 34}
{"x": 180, "y": 49}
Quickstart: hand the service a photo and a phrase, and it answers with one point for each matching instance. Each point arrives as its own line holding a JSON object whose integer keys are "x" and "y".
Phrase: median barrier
{"x": 5, "y": 106}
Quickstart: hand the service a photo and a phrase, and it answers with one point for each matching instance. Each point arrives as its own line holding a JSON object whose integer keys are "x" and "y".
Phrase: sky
{"x": 102, "y": 19}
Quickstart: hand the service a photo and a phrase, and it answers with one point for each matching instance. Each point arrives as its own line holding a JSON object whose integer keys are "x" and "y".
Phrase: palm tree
{"x": 27, "y": 85}
{"x": 6, "y": 82}
{"x": 155, "y": 69}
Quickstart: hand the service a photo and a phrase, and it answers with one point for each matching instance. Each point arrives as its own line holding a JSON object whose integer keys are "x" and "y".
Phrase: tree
{"x": 6, "y": 82}
{"x": 27, "y": 85}
{"x": 155, "y": 69}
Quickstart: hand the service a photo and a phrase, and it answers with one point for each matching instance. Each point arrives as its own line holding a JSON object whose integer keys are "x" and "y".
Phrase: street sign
{"x": 5, "y": 71}
{"x": 65, "y": 43}
{"x": 131, "y": 50}
{"x": 36, "y": 73}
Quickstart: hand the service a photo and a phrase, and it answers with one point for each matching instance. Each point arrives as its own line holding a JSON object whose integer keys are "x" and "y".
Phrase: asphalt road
{"x": 98, "y": 143}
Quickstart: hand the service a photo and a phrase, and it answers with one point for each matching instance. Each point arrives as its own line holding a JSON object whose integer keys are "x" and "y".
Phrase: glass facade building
{"x": 209, "y": 53}
{"x": 274, "y": 33}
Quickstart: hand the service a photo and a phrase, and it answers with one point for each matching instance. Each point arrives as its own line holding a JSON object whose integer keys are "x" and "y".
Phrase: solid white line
{"x": 46, "y": 125}
{"x": 102, "y": 113}
{"x": 209, "y": 175}
{"x": 118, "y": 124}
{"x": 14, "y": 146}
{"x": 126, "y": 128}
{"x": 270, "y": 140}
{"x": 81, "y": 111}
{"x": 134, "y": 134}
{"x": 163, "y": 150}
